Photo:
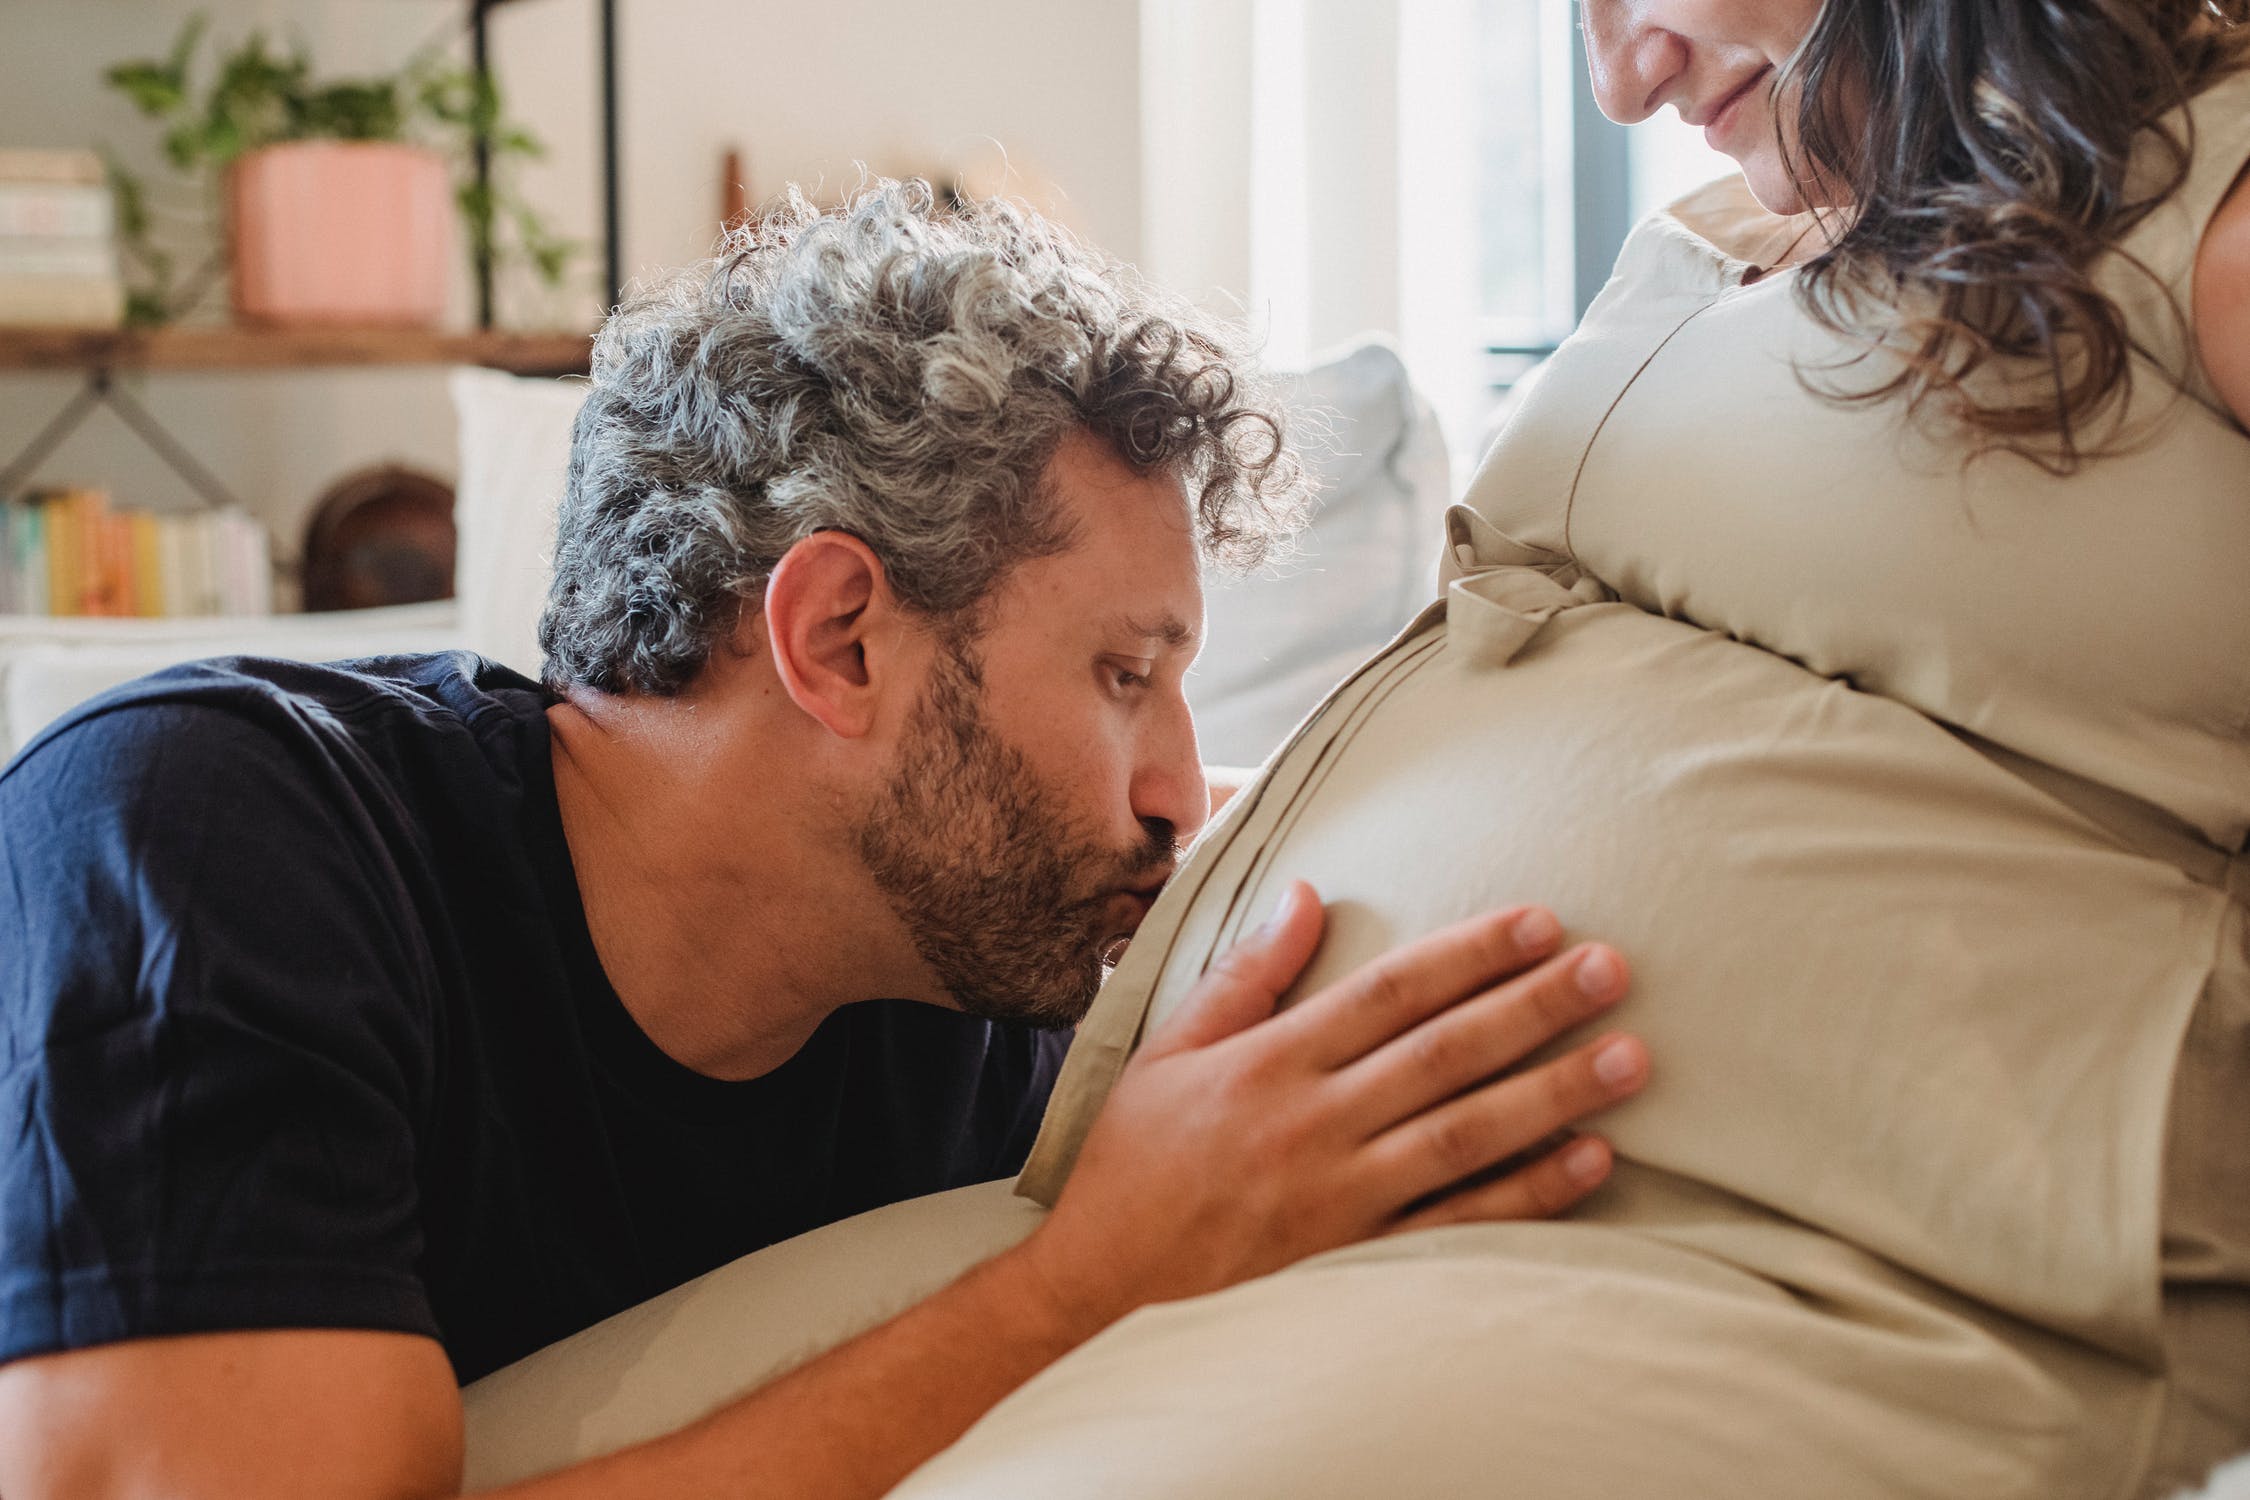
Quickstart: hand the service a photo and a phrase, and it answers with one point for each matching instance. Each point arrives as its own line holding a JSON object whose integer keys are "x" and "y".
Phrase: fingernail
{"x": 1270, "y": 929}
{"x": 1583, "y": 1161}
{"x": 1536, "y": 928}
{"x": 1617, "y": 1063}
{"x": 1598, "y": 975}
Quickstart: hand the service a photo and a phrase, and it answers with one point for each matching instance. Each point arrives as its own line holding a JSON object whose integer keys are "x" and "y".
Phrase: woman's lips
{"x": 1729, "y": 107}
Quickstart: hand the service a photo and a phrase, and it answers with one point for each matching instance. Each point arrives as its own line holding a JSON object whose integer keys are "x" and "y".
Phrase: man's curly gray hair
{"x": 893, "y": 369}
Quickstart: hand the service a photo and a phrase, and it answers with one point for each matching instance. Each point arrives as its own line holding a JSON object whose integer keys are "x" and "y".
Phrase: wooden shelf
{"x": 244, "y": 348}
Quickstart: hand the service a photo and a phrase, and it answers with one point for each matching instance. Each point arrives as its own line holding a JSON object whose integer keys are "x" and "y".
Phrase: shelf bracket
{"x": 101, "y": 387}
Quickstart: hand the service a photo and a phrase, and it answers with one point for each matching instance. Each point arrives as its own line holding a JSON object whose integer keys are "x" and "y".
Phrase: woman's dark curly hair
{"x": 1988, "y": 150}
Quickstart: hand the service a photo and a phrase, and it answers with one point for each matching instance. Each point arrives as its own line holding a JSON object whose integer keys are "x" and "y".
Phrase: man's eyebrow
{"x": 1167, "y": 627}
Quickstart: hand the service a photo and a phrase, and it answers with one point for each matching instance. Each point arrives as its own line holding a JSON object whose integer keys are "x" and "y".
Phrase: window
{"x": 1557, "y": 186}
{"x": 1431, "y": 170}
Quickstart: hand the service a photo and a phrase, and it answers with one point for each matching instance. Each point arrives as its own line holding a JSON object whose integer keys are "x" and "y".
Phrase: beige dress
{"x": 1917, "y": 789}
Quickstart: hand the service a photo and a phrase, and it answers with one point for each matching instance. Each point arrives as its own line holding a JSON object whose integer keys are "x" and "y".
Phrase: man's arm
{"x": 1236, "y": 1142}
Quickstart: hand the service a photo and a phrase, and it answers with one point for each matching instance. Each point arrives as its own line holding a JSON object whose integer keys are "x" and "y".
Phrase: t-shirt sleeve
{"x": 214, "y": 1021}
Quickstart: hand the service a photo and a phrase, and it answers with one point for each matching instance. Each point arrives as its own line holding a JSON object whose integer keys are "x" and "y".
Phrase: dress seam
{"x": 1570, "y": 501}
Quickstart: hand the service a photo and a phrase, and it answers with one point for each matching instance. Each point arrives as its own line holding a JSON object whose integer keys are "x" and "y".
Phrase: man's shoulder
{"x": 287, "y": 778}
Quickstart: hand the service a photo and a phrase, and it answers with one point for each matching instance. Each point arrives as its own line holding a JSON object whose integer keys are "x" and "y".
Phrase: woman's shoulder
{"x": 2221, "y": 308}
{"x": 1726, "y": 218}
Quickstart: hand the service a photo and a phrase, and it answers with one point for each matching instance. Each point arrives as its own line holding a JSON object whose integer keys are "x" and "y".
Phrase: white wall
{"x": 804, "y": 90}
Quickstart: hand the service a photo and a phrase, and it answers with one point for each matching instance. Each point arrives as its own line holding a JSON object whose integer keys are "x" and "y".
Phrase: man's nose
{"x": 1632, "y": 61}
{"x": 1168, "y": 785}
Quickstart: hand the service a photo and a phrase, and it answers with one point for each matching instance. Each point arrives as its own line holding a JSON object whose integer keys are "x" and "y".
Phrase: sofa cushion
{"x": 1281, "y": 638}
{"x": 48, "y": 666}
{"x": 515, "y": 449}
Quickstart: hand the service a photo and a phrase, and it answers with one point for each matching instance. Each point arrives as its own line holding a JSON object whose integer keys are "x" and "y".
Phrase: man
{"x": 369, "y": 1027}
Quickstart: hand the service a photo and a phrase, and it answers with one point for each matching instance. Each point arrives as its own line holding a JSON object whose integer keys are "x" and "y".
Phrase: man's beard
{"x": 1006, "y": 899}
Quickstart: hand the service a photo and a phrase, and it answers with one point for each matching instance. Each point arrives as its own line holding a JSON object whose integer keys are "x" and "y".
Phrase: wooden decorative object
{"x": 380, "y": 536}
{"x": 734, "y": 192}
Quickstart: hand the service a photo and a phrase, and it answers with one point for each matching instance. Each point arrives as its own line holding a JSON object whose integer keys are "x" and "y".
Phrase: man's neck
{"x": 721, "y": 917}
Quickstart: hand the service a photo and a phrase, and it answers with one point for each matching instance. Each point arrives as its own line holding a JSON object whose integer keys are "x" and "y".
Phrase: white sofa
{"x": 515, "y": 438}
{"x": 1277, "y": 640}
{"x": 48, "y": 666}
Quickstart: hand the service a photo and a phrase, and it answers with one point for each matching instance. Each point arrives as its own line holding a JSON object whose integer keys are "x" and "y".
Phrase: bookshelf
{"x": 230, "y": 347}
{"x": 102, "y": 359}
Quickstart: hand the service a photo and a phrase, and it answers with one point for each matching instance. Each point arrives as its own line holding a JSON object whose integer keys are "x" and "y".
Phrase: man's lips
{"x": 1138, "y": 902}
{"x": 1132, "y": 903}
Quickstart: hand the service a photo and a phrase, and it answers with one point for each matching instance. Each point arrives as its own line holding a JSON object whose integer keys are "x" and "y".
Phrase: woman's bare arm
{"x": 2222, "y": 300}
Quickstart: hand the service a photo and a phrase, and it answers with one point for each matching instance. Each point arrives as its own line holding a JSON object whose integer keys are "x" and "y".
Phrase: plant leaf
{"x": 131, "y": 195}
{"x": 145, "y": 309}
{"x": 152, "y": 91}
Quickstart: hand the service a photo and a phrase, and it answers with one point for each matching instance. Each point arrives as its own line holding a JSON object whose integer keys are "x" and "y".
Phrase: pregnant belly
{"x": 1893, "y": 992}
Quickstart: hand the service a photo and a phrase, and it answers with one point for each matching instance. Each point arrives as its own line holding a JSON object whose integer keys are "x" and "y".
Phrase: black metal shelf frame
{"x": 612, "y": 233}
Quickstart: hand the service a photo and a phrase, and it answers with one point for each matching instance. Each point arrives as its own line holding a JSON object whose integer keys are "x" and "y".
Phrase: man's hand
{"x": 1237, "y": 1141}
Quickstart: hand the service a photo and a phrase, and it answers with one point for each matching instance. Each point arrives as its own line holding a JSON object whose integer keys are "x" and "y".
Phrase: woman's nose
{"x": 1632, "y": 59}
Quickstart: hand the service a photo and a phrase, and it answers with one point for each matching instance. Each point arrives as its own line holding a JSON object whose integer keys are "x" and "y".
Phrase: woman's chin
{"x": 1771, "y": 186}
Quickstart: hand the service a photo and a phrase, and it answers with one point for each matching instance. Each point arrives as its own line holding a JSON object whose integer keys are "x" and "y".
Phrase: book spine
{"x": 202, "y": 576}
{"x": 147, "y": 567}
{"x": 11, "y": 565}
{"x": 93, "y": 552}
{"x": 22, "y": 165}
{"x": 57, "y": 208}
{"x": 62, "y": 301}
{"x": 242, "y": 558}
{"x": 34, "y": 592}
{"x": 118, "y": 592}
{"x": 47, "y": 255}
{"x": 260, "y": 554}
{"x": 62, "y": 555}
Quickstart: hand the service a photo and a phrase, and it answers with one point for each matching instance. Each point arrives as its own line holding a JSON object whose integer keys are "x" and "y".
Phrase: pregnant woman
{"x": 1850, "y": 624}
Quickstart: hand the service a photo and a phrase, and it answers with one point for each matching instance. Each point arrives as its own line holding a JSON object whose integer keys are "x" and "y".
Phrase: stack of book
{"x": 66, "y": 552}
{"x": 58, "y": 242}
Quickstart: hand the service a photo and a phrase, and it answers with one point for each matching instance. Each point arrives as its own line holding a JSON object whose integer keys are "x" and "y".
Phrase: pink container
{"x": 341, "y": 232}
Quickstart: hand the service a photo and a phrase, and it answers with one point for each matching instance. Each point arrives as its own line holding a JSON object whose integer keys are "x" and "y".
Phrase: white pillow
{"x": 1280, "y": 639}
{"x": 515, "y": 449}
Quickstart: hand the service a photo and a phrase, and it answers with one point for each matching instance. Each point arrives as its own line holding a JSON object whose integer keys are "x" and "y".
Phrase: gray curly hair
{"x": 897, "y": 370}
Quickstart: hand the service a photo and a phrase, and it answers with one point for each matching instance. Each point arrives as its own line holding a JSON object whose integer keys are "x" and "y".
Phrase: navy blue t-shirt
{"x": 301, "y": 1026}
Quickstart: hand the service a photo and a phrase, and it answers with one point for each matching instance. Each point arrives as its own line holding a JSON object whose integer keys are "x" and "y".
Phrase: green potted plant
{"x": 335, "y": 199}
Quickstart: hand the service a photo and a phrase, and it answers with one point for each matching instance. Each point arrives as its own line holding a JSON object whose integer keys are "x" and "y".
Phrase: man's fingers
{"x": 1545, "y": 1188}
{"x": 1407, "y": 986}
{"x": 1480, "y": 1038}
{"x": 1432, "y": 1151}
{"x": 1242, "y": 987}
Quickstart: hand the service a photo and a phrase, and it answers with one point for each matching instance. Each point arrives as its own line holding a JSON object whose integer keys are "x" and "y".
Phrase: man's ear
{"x": 826, "y": 603}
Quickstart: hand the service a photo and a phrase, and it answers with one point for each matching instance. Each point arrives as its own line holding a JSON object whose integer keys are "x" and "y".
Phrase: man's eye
{"x": 1124, "y": 679}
